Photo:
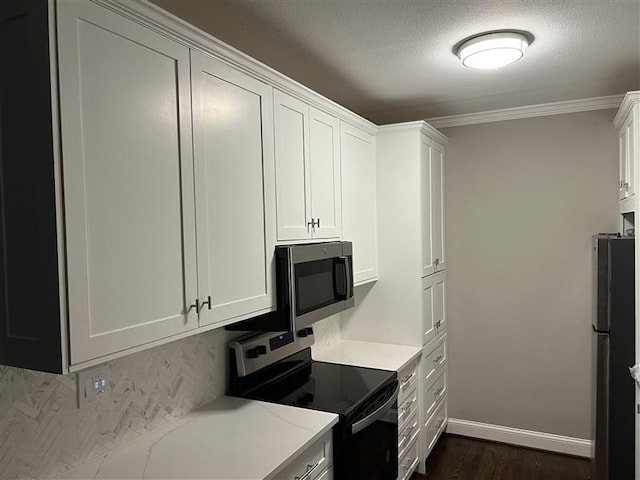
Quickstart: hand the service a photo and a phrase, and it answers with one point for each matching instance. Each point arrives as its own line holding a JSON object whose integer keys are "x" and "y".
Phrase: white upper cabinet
{"x": 358, "y": 150}
{"x": 437, "y": 206}
{"x": 307, "y": 159}
{"x": 428, "y": 267}
{"x": 627, "y": 122}
{"x": 235, "y": 198}
{"x": 128, "y": 182}
{"x": 324, "y": 163}
{"x": 432, "y": 205}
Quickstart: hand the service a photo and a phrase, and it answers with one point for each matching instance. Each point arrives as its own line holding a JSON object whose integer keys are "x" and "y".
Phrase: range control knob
{"x": 302, "y": 333}
{"x": 255, "y": 352}
{"x": 309, "y": 330}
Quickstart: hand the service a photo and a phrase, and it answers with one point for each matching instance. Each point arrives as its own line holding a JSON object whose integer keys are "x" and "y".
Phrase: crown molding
{"x": 167, "y": 24}
{"x": 417, "y": 126}
{"x": 528, "y": 111}
{"x": 630, "y": 99}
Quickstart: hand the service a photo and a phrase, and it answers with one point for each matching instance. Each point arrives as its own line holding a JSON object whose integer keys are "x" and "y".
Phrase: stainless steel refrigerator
{"x": 613, "y": 412}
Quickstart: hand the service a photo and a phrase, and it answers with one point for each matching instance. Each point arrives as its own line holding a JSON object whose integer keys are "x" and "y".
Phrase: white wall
{"x": 523, "y": 198}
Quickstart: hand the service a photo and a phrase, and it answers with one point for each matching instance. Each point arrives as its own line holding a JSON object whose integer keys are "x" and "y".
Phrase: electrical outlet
{"x": 93, "y": 384}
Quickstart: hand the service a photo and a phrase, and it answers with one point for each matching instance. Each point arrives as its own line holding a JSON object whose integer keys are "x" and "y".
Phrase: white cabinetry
{"x": 143, "y": 201}
{"x": 235, "y": 198}
{"x": 315, "y": 463}
{"x": 358, "y": 149}
{"x": 307, "y": 155}
{"x": 627, "y": 122}
{"x": 408, "y": 420}
{"x": 128, "y": 181}
{"x": 434, "y": 317}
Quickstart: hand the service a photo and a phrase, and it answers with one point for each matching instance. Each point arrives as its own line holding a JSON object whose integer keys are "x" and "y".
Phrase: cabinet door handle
{"x": 311, "y": 224}
{"x": 207, "y": 302}
{"x": 318, "y": 224}
{"x": 436, "y": 261}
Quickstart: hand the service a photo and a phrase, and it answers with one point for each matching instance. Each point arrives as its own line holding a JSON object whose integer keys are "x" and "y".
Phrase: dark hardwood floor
{"x": 463, "y": 458}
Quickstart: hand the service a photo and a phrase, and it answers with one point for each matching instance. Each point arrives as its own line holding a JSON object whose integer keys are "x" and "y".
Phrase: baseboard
{"x": 524, "y": 438}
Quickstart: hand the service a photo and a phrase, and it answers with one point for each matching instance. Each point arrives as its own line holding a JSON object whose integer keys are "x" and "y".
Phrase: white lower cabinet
{"x": 315, "y": 463}
{"x": 433, "y": 406}
{"x": 409, "y": 460}
{"x": 408, "y": 419}
{"x": 434, "y": 427}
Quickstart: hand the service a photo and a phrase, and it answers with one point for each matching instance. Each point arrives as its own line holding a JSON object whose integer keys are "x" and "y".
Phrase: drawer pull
{"x": 407, "y": 379}
{"x": 310, "y": 469}
{"x": 437, "y": 359}
{"x": 439, "y": 424}
{"x": 438, "y": 391}
{"x": 408, "y": 430}
{"x": 408, "y": 404}
{"x": 408, "y": 464}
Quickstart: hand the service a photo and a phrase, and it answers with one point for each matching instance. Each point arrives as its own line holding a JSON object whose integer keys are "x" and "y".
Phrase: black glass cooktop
{"x": 328, "y": 387}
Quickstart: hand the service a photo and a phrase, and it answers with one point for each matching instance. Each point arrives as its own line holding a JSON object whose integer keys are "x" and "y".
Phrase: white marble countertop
{"x": 231, "y": 438}
{"x": 384, "y": 356}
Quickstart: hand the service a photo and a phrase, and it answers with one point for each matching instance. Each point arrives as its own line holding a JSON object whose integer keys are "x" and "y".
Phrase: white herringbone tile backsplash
{"x": 44, "y": 434}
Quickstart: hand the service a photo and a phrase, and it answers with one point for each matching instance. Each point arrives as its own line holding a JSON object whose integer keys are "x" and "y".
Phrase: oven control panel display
{"x": 280, "y": 340}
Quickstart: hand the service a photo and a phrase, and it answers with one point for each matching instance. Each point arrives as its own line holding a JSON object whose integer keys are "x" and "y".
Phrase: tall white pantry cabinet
{"x": 407, "y": 305}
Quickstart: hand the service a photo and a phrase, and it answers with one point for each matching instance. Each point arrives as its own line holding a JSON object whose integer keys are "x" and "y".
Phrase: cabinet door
{"x": 437, "y": 206}
{"x": 440, "y": 303}
{"x": 235, "y": 200}
{"x": 428, "y": 266}
{"x": 292, "y": 167}
{"x": 428, "y": 309}
{"x": 358, "y": 151}
{"x": 128, "y": 181}
{"x": 632, "y": 129}
{"x": 623, "y": 162}
{"x": 324, "y": 172}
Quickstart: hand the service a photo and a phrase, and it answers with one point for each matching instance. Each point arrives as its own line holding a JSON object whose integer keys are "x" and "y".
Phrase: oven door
{"x": 369, "y": 449}
{"x": 322, "y": 281}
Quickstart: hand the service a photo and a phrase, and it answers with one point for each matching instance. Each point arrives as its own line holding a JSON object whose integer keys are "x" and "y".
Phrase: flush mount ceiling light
{"x": 492, "y": 50}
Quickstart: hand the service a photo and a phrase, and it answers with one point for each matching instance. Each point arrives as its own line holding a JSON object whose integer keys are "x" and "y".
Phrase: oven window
{"x": 314, "y": 285}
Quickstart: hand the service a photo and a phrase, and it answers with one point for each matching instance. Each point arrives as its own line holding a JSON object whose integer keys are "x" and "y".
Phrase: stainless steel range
{"x": 278, "y": 368}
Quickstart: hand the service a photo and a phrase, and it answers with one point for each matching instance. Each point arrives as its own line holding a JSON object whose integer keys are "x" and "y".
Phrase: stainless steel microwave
{"x": 313, "y": 281}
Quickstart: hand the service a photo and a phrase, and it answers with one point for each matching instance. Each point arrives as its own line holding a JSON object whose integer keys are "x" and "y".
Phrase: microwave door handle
{"x": 378, "y": 414}
{"x": 349, "y": 268}
{"x": 342, "y": 290}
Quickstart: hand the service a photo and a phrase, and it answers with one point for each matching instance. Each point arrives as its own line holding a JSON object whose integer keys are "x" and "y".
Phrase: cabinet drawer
{"x": 408, "y": 379}
{"x": 312, "y": 462}
{"x": 434, "y": 360}
{"x": 409, "y": 461}
{"x": 407, "y": 408}
{"x": 435, "y": 426}
{"x": 435, "y": 392}
{"x": 408, "y": 433}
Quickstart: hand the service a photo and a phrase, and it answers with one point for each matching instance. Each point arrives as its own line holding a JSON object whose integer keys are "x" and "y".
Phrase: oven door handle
{"x": 375, "y": 416}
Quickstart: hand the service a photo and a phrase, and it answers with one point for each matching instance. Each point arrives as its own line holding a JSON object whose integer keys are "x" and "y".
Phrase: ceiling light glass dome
{"x": 492, "y": 50}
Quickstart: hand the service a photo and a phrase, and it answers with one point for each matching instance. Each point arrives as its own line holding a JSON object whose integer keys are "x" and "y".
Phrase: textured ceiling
{"x": 392, "y": 61}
